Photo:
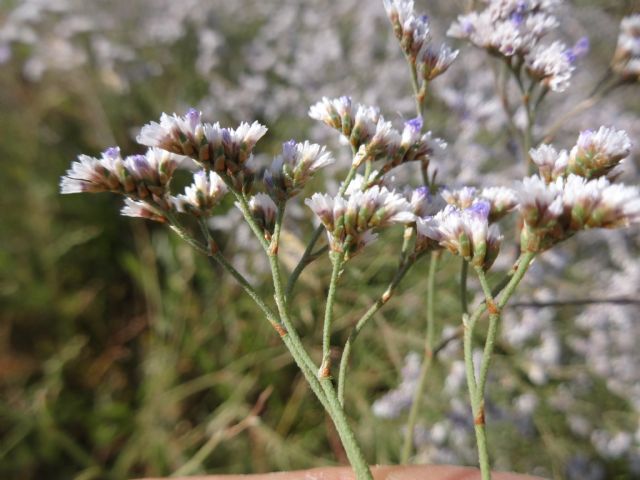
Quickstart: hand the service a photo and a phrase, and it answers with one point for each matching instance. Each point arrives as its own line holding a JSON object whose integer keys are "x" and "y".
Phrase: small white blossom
{"x": 464, "y": 232}
{"x": 626, "y": 59}
{"x": 89, "y": 174}
{"x": 551, "y": 65}
{"x": 502, "y": 200}
{"x": 142, "y": 209}
{"x": 264, "y": 211}
{"x": 551, "y": 164}
{"x": 597, "y": 153}
{"x": 176, "y": 134}
{"x": 203, "y": 195}
{"x": 461, "y": 198}
{"x": 291, "y": 170}
{"x": 350, "y": 221}
{"x": 434, "y": 62}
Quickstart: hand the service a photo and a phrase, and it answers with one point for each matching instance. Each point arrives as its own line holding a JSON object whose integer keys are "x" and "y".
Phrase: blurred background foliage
{"x": 124, "y": 354}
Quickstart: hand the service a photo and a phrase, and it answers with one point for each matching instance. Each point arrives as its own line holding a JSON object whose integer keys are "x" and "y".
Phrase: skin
{"x": 417, "y": 472}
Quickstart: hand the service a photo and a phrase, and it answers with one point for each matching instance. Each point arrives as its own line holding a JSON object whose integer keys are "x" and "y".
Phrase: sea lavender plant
{"x": 574, "y": 192}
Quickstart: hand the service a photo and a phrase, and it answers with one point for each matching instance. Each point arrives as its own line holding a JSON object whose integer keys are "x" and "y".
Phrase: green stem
{"x": 477, "y": 386}
{"x": 426, "y": 362}
{"x": 364, "y": 320}
{"x": 337, "y": 259}
{"x": 464, "y": 302}
{"x": 322, "y": 388}
{"x": 308, "y": 256}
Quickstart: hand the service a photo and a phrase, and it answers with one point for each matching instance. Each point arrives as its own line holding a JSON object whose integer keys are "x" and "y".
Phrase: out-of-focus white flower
{"x": 350, "y": 222}
{"x": 551, "y": 65}
{"x": 597, "y": 153}
{"x": 291, "y": 170}
{"x": 626, "y": 59}
{"x": 465, "y": 232}
{"x": 461, "y": 197}
{"x": 434, "y": 62}
{"x": 420, "y": 200}
{"x": 506, "y": 27}
{"x": 203, "y": 195}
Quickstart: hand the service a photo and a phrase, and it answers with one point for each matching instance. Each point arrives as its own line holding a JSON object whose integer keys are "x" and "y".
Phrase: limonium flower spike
{"x": 350, "y": 221}
{"x": 224, "y": 150}
{"x": 465, "y": 232}
{"x": 553, "y": 212}
{"x": 141, "y": 177}
{"x": 291, "y": 170}
{"x": 203, "y": 195}
{"x": 596, "y": 153}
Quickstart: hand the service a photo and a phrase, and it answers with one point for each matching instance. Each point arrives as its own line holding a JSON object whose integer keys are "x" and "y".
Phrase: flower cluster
{"x": 374, "y": 138}
{"x": 514, "y": 30}
{"x": 350, "y": 222}
{"x": 291, "y": 170}
{"x": 595, "y": 154}
{"x": 555, "y": 211}
{"x": 413, "y": 33}
{"x": 202, "y": 196}
{"x": 626, "y": 59}
{"x": 140, "y": 177}
{"x": 500, "y": 200}
{"x": 224, "y": 150}
{"x": 464, "y": 232}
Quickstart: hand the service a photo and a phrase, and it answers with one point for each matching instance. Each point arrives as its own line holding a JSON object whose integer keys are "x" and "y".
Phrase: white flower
{"x": 350, "y": 221}
{"x": 203, "y": 195}
{"x": 89, "y": 174}
{"x": 502, "y": 200}
{"x": 597, "y": 153}
{"x": 176, "y": 134}
{"x": 540, "y": 203}
{"x": 551, "y": 64}
{"x": 332, "y": 112}
{"x": 461, "y": 198}
{"x": 435, "y": 62}
{"x": 626, "y": 59}
{"x": 142, "y": 209}
{"x": 551, "y": 164}
{"x": 464, "y": 232}
{"x": 290, "y": 171}
{"x": 264, "y": 211}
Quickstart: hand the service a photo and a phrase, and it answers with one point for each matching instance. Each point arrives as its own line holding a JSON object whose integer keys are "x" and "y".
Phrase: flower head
{"x": 143, "y": 177}
{"x": 552, "y": 65}
{"x": 350, "y": 222}
{"x": 465, "y": 232}
{"x": 203, "y": 195}
{"x": 556, "y": 211}
{"x": 597, "y": 153}
{"x": 550, "y": 163}
{"x": 142, "y": 209}
{"x": 434, "y": 62}
{"x": 89, "y": 174}
{"x": 176, "y": 134}
{"x": 264, "y": 211}
{"x": 626, "y": 59}
{"x": 291, "y": 170}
